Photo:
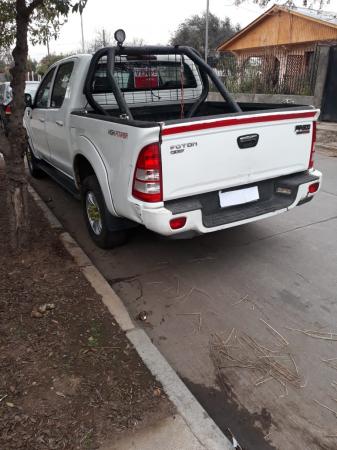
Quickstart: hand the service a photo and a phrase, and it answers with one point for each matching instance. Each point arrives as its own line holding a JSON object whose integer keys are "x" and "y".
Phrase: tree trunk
{"x": 17, "y": 194}
{"x": 15, "y": 140}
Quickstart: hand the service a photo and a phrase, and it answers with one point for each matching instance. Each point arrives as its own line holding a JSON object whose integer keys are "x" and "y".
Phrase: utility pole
{"x": 48, "y": 46}
{"x": 104, "y": 43}
{"x": 83, "y": 49}
{"x": 206, "y": 32}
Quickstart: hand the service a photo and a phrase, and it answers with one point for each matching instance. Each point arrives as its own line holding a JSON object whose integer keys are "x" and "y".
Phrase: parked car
{"x": 31, "y": 88}
{"x": 130, "y": 131}
{"x": 6, "y": 96}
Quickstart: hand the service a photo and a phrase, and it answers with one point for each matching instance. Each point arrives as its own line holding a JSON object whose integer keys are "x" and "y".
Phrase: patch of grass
{"x": 21, "y": 332}
{"x": 96, "y": 335}
{"x": 87, "y": 441}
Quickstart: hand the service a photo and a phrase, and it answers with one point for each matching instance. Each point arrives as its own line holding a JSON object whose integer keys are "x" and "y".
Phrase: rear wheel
{"x": 32, "y": 164}
{"x": 96, "y": 216}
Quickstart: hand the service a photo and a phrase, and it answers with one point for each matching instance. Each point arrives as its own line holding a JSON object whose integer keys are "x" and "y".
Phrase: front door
{"x": 37, "y": 121}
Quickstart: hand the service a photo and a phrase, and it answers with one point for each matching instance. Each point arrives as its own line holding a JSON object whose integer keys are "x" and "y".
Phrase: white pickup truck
{"x": 130, "y": 131}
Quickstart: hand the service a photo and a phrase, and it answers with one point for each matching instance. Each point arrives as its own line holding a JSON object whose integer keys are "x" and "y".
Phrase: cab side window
{"x": 61, "y": 84}
{"x": 42, "y": 95}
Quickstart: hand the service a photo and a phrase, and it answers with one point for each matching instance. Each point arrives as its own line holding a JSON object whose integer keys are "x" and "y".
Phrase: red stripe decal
{"x": 235, "y": 121}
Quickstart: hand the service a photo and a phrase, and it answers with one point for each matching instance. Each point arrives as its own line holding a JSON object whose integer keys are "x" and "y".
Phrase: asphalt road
{"x": 238, "y": 283}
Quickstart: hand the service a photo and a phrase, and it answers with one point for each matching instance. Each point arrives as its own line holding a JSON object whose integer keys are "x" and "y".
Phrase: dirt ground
{"x": 69, "y": 378}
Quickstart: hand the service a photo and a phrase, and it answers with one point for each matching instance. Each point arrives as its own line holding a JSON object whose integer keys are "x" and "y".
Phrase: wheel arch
{"x": 87, "y": 161}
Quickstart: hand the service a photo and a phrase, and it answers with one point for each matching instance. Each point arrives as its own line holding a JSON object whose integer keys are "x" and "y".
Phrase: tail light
{"x": 8, "y": 110}
{"x": 147, "y": 180}
{"x": 313, "y": 142}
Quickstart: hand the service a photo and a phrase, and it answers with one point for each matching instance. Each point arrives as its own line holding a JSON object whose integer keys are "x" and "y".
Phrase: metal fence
{"x": 276, "y": 71}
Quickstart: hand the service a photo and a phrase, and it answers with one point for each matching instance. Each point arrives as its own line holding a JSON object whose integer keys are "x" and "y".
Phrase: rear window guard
{"x": 144, "y": 75}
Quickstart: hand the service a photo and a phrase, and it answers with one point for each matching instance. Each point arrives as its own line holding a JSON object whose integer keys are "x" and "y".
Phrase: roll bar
{"x": 112, "y": 52}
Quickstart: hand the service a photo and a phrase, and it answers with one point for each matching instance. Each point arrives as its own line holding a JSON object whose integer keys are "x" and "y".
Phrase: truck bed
{"x": 166, "y": 113}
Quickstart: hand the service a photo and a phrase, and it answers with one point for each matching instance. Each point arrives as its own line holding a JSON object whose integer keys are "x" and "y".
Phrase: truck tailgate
{"x": 205, "y": 155}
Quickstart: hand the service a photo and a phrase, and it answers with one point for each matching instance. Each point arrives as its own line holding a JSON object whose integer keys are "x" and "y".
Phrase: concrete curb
{"x": 196, "y": 418}
{"x": 53, "y": 221}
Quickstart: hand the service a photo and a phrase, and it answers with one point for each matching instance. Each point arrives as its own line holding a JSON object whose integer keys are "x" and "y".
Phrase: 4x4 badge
{"x": 302, "y": 129}
{"x": 119, "y": 134}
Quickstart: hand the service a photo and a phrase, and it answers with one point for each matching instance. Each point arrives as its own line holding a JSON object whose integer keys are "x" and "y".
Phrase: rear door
{"x": 214, "y": 154}
{"x": 56, "y": 119}
{"x": 37, "y": 117}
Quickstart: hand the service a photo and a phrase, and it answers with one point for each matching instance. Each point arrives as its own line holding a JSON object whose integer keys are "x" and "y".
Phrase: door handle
{"x": 248, "y": 141}
{"x": 59, "y": 123}
{"x": 41, "y": 119}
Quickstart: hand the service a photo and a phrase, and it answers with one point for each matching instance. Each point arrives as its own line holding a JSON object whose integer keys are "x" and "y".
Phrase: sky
{"x": 152, "y": 20}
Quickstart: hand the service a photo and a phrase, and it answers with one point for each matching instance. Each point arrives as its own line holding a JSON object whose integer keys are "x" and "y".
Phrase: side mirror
{"x": 28, "y": 101}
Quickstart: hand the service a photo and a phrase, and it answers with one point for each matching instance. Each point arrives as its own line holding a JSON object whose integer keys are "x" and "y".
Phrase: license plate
{"x": 238, "y": 197}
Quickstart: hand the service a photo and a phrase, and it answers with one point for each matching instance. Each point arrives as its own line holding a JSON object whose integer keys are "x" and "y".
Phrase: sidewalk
{"x": 169, "y": 434}
{"x": 327, "y": 136}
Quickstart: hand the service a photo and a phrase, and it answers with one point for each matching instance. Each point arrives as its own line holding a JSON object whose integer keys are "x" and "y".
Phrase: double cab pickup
{"x": 132, "y": 133}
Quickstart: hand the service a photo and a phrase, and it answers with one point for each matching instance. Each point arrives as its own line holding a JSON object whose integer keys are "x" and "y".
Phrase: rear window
{"x": 145, "y": 76}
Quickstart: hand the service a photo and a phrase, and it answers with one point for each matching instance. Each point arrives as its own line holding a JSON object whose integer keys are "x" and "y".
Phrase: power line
{"x": 206, "y": 31}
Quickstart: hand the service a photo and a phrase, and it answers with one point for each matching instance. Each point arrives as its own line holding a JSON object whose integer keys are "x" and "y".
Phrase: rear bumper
{"x": 204, "y": 215}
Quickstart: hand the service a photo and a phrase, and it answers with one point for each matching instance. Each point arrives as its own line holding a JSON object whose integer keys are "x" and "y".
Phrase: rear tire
{"x": 96, "y": 216}
{"x": 33, "y": 168}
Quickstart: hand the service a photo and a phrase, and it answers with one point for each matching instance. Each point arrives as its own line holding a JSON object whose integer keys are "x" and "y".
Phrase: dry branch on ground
{"x": 241, "y": 351}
